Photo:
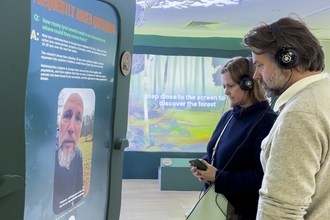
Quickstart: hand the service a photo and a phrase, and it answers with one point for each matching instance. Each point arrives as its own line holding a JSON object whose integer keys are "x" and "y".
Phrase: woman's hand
{"x": 204, "y": 176}
{"x": 196, "y": 173}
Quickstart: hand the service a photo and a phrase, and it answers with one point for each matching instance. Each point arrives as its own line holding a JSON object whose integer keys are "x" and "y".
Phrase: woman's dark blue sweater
{"x": 237, "y": 158}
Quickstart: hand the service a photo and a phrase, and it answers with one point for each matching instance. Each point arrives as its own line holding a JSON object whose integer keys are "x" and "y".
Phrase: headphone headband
{"x": 250, "y": 64}
{"x": 286, "y": 58}
{"x": 246, "y": 82}
{"x": 277, "y": 34}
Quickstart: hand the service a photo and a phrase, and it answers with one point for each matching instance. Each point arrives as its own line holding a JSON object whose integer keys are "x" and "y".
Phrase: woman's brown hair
{"x": 238, "y": 67}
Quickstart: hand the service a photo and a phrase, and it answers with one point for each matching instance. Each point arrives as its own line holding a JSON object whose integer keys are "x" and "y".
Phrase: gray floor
{"x": 143, "y": 200}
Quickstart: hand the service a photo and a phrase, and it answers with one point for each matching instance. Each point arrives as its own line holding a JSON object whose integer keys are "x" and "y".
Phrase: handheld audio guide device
{"x": 199, "y": 164}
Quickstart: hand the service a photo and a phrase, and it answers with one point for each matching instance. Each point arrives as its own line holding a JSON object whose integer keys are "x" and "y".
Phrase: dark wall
{"x": 189, "y": 46}
{"x": 144, "y": 165}
{"x": 14, "y": 58}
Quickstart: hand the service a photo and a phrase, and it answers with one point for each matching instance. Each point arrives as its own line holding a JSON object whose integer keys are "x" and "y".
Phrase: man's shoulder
{"x": 319, "y": 83}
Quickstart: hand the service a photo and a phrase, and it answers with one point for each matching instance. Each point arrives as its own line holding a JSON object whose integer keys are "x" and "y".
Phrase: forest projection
{"x": 175, "y": 102}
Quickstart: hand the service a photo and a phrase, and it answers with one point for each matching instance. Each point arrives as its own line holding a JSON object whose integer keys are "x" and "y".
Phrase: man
{"x": 295, "y": 155}
{"x": 68, "y": 180}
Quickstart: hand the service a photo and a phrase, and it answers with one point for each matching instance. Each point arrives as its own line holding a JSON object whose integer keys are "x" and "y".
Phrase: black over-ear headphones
{"x": 287, "y": 58}
{"x": 246, "y": 81}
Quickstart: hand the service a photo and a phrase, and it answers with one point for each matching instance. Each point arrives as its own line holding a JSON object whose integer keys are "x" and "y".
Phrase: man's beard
{"x": 276, "y": 83}
{"x": 64, "y": 159}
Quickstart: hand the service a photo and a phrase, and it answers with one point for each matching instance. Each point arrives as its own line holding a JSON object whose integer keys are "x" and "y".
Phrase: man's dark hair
{"x": 296, "y": 35}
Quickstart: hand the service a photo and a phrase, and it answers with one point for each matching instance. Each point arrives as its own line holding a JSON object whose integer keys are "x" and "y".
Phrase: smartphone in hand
{"x": 199, "y": 164}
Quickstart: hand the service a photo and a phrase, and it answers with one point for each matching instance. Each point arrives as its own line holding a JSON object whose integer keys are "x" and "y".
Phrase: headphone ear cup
{"x": 246, "y": 83}
{"x": 287, "y": 58}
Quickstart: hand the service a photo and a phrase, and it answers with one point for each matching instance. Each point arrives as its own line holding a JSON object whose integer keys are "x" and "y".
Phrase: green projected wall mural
{"x": 144, "y": 8}
{"x": 174, "y": 103}
{"x": 184, "y": 4}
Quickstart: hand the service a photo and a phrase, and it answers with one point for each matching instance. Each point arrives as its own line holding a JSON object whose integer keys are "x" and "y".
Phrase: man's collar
{"x": 296, "y": 87}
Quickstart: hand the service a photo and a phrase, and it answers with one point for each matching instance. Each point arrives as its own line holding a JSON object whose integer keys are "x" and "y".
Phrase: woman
{"x": 235, "y": 168}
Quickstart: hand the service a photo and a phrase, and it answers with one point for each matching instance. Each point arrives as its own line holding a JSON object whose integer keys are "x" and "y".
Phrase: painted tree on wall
{"x": 156, "y": 126}
{"x": 165, "y": 79}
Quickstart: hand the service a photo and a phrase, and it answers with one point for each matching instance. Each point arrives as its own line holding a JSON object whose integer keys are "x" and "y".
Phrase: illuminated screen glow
{"x": 185, "y": 4}
{"x": 69, "y": 103}
{"x": 174, "y": 104}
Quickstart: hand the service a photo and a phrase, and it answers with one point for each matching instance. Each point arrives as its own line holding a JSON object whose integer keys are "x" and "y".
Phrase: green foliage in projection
{"x": 174, "y": 103}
